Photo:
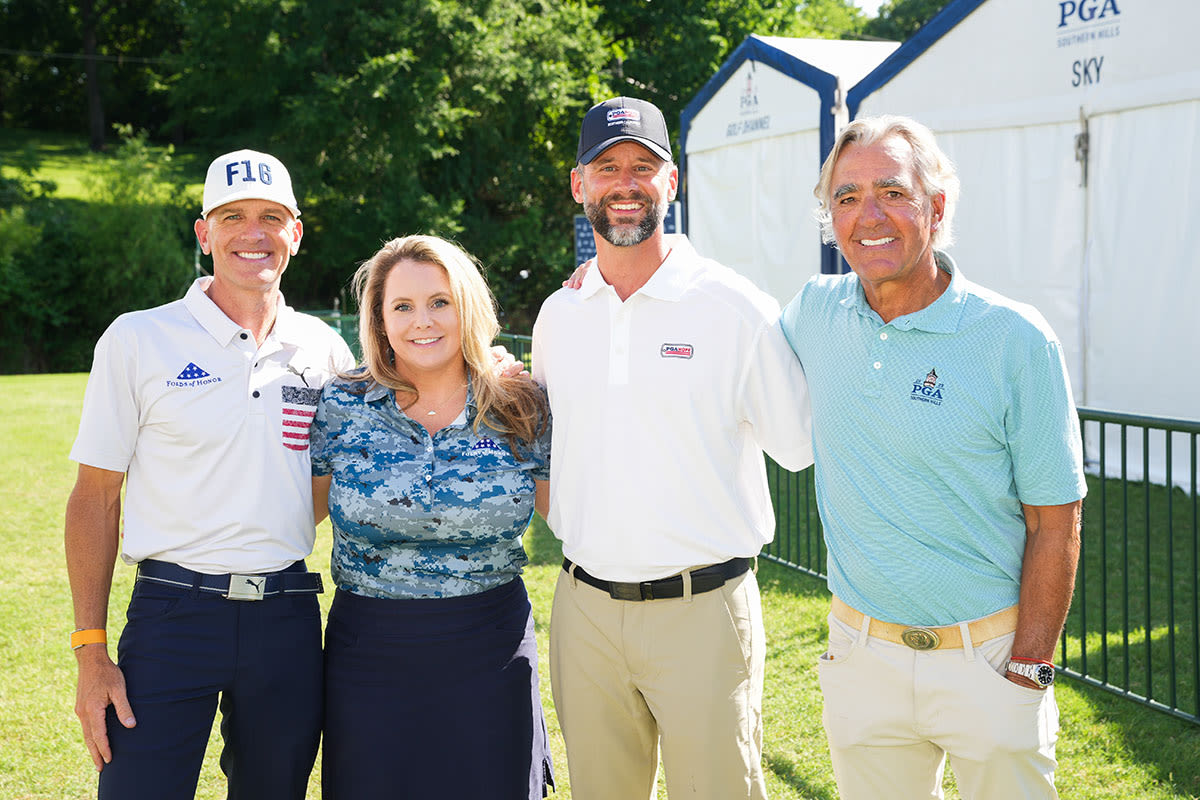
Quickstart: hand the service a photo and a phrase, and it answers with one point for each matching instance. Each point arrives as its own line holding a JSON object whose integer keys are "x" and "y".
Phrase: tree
{"x": 900, "y": 19}
{"x": 69, "y": 66}
{"x": 405, "y": 117}
{"x": 665, "y": 51}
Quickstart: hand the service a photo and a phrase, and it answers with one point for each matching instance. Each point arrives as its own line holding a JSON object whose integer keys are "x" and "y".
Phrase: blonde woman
{"x": 429, "y": 464}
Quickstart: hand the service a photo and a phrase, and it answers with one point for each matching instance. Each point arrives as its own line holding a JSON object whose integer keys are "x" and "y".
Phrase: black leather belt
{"x": 703, "y": 580}
{"x": 294, "y": 580}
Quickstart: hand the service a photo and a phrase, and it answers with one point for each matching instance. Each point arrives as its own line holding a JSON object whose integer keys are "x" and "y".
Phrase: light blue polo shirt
{"x": 929, "y": 433}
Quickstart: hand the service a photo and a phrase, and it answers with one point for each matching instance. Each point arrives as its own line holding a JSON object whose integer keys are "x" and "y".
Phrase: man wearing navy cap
{"x": 201, "y": 408}
{"x": 668, "y": 375}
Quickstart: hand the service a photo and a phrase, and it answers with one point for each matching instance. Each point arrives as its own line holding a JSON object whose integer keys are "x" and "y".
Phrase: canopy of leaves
{"x": 394, "y": 116}
{"x": 900, "y": 19}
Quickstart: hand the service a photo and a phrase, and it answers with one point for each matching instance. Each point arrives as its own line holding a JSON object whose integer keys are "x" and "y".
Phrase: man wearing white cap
{"x": 668, "y": 375}
{"x": 201, "y": 408}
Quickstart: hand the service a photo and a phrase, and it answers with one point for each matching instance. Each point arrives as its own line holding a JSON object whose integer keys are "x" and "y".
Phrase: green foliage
{"x": 44, "y": 88}
{"x": 394, "y": 116}
{"x": 404, "y": 117}
{"x": 68, "y": 268}
{"x": 664, "y": 51}
{"x": 900, "y": 19}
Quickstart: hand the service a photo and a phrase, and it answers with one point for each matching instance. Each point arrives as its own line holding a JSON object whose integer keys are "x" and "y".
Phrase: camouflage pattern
{"x": 418, "y": 515}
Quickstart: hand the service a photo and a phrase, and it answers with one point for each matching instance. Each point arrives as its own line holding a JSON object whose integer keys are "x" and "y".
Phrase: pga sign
{"x": 1085, "y": 11}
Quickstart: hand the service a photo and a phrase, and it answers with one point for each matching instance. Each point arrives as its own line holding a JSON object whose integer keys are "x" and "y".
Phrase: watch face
{"x": 1044, "y": 674}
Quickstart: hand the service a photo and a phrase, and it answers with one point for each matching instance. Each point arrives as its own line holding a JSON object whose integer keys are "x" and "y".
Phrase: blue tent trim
{"x": 757, "y": 50}
{"x": 905, "y": 54}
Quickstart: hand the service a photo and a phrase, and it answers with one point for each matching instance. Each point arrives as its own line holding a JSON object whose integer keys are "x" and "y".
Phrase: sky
{"x": 869, "y": 6}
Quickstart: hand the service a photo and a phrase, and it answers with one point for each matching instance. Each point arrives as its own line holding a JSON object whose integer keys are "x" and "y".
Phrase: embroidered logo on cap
{"x": 928, "y": 389}
{"x": 299, "y": 408}
{"x": 616, "y": 116}
{"x": 676, "y": 351}
{"x": 192, "y": 375}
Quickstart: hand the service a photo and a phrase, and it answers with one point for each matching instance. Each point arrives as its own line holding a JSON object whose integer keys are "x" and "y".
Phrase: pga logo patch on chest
{"x": 674, "y": 350}
{"x": 928, "y": 389}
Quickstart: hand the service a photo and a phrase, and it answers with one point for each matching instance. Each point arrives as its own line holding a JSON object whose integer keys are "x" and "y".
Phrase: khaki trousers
{"x": 687, "y": 671}
{"x": 893, "y": 714}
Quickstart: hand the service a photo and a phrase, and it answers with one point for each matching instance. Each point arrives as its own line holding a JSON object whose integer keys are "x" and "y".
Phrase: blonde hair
{"x": 934, "y": 169}
{"x": 515, "y": 407}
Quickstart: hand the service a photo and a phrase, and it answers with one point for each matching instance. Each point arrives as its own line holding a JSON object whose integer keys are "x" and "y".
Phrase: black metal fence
{"x": 1134, "y": 625}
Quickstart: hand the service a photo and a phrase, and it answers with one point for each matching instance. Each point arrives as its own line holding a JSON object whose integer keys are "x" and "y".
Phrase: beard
{"x": 626, "y": 234}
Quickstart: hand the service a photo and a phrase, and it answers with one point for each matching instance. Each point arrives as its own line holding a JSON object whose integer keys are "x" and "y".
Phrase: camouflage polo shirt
{"x": 417, "y": 515}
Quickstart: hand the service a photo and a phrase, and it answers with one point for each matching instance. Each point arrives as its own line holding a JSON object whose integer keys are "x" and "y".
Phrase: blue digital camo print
{"x": 415, "y": 515}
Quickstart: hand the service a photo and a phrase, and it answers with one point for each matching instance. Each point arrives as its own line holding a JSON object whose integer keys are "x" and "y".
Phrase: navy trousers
{"x": 434, "y": 698}
{"x": 180, "y": 651}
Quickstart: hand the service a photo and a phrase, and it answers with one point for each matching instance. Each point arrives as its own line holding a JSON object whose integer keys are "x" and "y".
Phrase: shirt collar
{"x": 940, "y": 316}
{"x": 668, "y": 282}
{"x": 377, "y": 391}
{"x": 285, "y": 331}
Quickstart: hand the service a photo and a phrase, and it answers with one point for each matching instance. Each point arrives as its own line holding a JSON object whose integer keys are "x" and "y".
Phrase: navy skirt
{"x": 434, "y": 698}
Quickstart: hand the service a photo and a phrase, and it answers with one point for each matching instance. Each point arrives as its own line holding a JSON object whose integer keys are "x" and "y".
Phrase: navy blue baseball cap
{"x": 623, "y": 119}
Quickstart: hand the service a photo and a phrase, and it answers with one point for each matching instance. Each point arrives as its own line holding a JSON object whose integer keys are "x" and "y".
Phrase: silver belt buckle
{"x": 920, "y": 638}
{"x": 625, "y": 591}
{"x": 246, "y": 587}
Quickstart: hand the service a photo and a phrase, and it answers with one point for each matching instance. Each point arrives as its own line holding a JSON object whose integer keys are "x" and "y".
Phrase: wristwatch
{"x": 1040, "y": 672}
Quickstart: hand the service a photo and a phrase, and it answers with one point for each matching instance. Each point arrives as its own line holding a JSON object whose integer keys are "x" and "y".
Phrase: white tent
{"x": 753, "y": 140}
{"x": 1075, "y": 127}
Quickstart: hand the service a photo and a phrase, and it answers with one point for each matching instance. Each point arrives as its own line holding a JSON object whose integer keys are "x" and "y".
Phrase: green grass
{"x": 1109, "y": 747}
{"x": 1137, "y": 574}
{"x": 66, "y": 160}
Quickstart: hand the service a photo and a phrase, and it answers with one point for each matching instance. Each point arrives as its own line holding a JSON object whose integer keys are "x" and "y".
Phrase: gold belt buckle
{"x": 246, "y": 587}
{"x": 920, "y": 638}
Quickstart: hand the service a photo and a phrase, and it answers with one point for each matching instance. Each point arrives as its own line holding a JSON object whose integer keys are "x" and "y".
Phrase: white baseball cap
{"x": 248, "y": 175}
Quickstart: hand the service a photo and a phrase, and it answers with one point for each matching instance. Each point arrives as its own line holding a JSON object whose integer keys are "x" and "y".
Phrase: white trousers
{"x": 893, "y": 714}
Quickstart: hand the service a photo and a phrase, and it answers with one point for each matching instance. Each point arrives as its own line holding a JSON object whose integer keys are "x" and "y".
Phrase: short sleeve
{"x": 541, "y": 449}
{"x": 110, "y": 421}
{"x": 775, "y": 400}
{"x": 1043, "y": 432}
{"x": 318, "y": 435}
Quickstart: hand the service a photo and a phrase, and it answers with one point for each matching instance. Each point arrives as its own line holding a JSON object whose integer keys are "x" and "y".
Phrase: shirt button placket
{"x": 874, "y": 382}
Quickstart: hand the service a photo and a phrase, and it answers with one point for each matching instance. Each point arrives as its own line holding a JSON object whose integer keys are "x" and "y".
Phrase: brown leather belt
{"x": 931, "y": 638}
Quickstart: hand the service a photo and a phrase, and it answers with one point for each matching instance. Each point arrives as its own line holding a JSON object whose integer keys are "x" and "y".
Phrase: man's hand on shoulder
{"x": 576, "y": 279}
{"x": 507, "y": 366}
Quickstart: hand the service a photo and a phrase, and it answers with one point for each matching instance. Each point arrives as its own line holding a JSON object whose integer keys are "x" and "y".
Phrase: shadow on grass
{"x": 785, "y": 770}
{"x": 1167, "y": 747}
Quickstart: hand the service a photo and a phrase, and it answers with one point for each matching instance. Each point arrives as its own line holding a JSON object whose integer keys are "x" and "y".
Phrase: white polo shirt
{"x": 211, "y": 431}
{"x": 662, "y": 407}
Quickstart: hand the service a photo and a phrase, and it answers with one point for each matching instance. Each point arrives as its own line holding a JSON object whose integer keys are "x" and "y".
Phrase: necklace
{"x": 433, "y": 412}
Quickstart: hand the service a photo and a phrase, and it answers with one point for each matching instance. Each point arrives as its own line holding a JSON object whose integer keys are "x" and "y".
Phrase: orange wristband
{"x": 82, "y": 636}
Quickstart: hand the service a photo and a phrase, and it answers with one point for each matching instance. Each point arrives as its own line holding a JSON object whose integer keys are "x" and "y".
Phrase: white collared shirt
{"x": 663, "y": 405}
{"x": 211, "y": 431}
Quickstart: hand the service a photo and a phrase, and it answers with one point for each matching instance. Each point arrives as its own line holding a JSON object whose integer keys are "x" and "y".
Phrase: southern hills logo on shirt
{"x": 928, "y": 389}
{"x": 676, "y": 351}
